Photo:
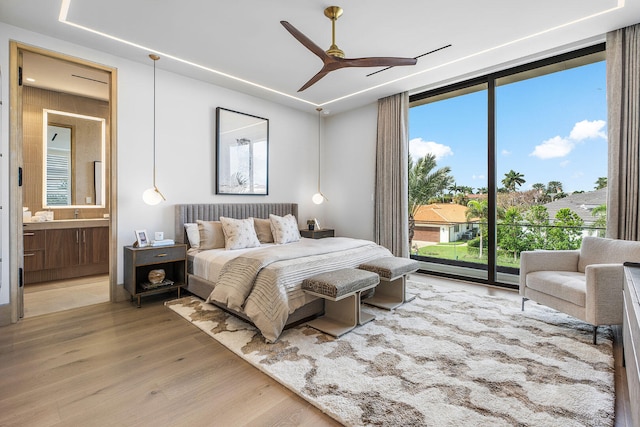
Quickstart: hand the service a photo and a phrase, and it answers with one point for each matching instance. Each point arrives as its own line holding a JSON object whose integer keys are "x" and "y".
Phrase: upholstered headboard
{"x": 213, "y": 212}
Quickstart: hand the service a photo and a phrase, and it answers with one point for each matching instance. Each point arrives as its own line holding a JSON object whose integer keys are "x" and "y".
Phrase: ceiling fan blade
{"x": 314, "y": 79}
{"x": 306, "y": 41}
{"x": 377, "y": 62}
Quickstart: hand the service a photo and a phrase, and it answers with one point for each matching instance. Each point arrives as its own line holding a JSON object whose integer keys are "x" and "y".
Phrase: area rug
{"x": 447, "y": 358}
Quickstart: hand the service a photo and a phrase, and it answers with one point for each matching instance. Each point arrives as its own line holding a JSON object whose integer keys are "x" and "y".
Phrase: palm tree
{"x": 425, "y": 182}
{"x": 601, "y": 182}
{"x": 511, "y": 179}
{"x": 554, "y": 187}
{"x": 478, "y": 209}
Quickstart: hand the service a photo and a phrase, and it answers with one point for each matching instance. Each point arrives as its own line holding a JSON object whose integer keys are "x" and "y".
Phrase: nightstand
{"x": 317, "y": 234}
{"x": 138, "y": 262}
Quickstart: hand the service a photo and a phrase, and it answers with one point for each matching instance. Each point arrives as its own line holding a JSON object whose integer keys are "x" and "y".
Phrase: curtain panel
{"x": 623, "y": 92}
{"x": 391, "y": 219}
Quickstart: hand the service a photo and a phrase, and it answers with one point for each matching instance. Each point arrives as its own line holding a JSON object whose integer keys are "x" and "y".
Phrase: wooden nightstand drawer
{"x": 317, "y": 234}
{"x": 145, "y": 256}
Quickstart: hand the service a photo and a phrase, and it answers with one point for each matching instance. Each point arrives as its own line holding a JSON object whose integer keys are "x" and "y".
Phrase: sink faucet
{"x": 76, "y": 212}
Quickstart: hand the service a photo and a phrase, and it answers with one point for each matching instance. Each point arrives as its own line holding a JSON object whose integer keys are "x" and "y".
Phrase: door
{"x": 64, "y": 246}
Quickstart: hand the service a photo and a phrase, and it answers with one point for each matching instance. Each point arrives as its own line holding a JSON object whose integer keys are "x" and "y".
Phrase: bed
{"x": 262, "y": 284}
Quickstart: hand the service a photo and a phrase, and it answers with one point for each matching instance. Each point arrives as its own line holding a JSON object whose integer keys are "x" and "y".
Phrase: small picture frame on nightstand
{"x": 142, "y": 239}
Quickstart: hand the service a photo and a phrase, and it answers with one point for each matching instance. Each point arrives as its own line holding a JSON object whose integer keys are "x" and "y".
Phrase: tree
{"x": 425, "y": 183}
{"x": 478, "y": 209}
{"x": 566, "y": 232}
{"x": 510, "y": 232}
{"x": 538, "y": 219}
{"x": 554, "y": 187}
{"x": 513, "y": 179}
{"x": 539, "y": 187}
{"x": 600, "y": 212}
{"x": 601, "y": 183}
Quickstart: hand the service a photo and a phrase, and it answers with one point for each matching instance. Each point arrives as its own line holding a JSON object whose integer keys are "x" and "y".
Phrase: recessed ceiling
{"x": 243, "y": 46}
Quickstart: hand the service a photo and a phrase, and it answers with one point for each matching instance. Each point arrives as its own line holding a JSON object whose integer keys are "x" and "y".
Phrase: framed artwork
{"x": 242, "y": 153}
{"x": 142, "y": 239}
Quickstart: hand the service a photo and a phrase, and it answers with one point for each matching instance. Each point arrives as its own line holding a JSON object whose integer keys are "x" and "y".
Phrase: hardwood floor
{"x": 115, "y": 364}
{"x": 59, "y": 295}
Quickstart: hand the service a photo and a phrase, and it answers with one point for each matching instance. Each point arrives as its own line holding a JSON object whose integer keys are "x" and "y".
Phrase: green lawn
{"x": 458, "y": 251}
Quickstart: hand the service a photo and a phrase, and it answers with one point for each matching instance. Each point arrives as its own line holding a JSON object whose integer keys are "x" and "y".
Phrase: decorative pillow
{"x": 192, "y": 234}
{"x": 239, "y": 233}
{"x": 263, "y": 230}
{"x": 211, "y": 234}
{"x": 284, "y": 229}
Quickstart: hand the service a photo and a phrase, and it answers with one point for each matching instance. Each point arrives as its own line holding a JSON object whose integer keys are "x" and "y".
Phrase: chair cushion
{"x": 390, "y": 267}
{"x": 338, "y": 283}
{"x": 598, "y": 250}
{"x": 569, "y": 286}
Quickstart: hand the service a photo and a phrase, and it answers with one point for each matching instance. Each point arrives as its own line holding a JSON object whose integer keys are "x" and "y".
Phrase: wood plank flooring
{"x": 59, "y": 295}
{"x": 117, "y": 365}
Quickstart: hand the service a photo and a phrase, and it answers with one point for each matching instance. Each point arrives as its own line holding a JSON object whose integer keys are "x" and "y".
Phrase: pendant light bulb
{"x": 318, "y": 198}
{"x": 153, "y": 196}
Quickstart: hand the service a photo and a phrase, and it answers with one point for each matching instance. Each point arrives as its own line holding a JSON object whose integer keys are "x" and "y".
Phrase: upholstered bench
{"x": 341, "y": 291}
{"x": 393, "y": 271}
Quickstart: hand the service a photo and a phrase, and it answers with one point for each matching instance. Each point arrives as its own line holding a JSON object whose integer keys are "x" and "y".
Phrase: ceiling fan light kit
{"x": 333, "y": 58}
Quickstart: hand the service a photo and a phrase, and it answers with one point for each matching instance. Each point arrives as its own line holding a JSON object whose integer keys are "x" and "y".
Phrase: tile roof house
{"x": 580, "y": 203}
{"x": 442, "y": 222}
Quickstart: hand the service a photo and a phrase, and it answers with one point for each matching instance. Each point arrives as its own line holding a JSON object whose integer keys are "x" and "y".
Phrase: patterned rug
{"x": 447, "y": 358}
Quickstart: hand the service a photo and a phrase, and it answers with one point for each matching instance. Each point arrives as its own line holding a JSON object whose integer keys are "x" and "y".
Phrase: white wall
{"x": 348, "y": 177}
{"x": 185, "y": 144}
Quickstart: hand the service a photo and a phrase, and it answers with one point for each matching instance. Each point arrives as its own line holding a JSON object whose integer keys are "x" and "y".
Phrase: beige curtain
{"x": 623, "y": 93}
{"x": 392, "y": 183}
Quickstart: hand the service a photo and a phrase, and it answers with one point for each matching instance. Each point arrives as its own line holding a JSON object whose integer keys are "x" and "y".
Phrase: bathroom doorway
{"x": 65, "y": 189}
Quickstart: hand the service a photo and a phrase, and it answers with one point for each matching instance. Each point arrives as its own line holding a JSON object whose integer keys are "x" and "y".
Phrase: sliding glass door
{"x": 512, "y": 161}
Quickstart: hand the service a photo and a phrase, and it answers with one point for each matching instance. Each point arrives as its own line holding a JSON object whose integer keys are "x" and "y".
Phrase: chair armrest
{"x": 547, "y": 261}
{"x": 604, "y": 302}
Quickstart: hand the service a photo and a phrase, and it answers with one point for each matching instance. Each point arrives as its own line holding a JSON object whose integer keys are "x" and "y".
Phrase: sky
{"x": 549, "y": 128}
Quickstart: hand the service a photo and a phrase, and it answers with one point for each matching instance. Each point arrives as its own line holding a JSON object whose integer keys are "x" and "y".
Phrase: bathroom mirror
{"x": 73, "y": 167}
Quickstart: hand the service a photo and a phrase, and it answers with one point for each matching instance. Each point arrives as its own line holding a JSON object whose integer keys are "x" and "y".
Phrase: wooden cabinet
{"x": 138, "y": 262}
{"x": 34, "y": 242}
{"x": 58, "y": 251}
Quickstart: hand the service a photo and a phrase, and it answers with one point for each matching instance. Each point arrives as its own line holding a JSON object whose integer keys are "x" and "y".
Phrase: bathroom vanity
{"x": 63, "y": 249}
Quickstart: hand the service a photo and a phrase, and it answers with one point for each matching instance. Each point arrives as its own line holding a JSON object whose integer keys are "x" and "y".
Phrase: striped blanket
{"x": 265, "y": 283}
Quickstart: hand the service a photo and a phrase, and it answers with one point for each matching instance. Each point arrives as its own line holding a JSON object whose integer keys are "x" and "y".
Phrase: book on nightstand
{"x": 148, "y": 285}
{"x": 163, "y": 242}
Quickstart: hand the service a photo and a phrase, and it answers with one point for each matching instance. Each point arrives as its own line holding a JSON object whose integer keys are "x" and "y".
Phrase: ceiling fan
{"x": 333, "y": 59}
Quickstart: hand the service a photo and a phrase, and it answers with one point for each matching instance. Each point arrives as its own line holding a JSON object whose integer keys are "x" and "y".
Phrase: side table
{"x": 138, "y": 262}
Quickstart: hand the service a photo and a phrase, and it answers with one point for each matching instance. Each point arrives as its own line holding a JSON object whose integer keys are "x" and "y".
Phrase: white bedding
{"x": 265, "y": 283}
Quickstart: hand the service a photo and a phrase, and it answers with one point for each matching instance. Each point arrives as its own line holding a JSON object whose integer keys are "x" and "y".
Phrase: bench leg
{"x": 390, "y": 294}
{"x": 339, "y": 316}
{"x": 363, "y": 316}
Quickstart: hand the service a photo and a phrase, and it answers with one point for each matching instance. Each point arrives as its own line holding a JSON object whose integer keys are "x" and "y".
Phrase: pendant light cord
{"x": 154, "y": 121}
{"x": 319, "y": 110}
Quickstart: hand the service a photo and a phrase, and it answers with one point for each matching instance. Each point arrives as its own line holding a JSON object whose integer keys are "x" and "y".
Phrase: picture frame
{"x": 242, "y": 153}
{"x": 142, "y": 239}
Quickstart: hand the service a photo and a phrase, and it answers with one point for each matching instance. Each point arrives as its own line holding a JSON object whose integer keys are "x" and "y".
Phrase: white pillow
{"x": 192, "y": 234}
{"x": 239, "y": 233}
{"x": 211, "y": 235}
{"x": 284, "y": 229}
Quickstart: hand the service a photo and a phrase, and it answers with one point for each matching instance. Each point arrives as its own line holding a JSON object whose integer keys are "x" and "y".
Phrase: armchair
{"x": 585, "y": 283}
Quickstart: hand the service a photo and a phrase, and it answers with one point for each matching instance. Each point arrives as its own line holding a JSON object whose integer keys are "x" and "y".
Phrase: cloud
{"x": 419, "y": 148}
{"x": 564, "y": 163}
{"x": 588, "y": 130}
{"x": 474, "y": 177}
{"x": 552, "y": 148}
{"x": 561, "y": 147}
{"x": 505, "y": 153}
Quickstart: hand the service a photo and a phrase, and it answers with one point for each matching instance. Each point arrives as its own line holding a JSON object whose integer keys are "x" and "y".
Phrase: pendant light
{"x": 318, "y": 198}
{"x": 153, "y": 196}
